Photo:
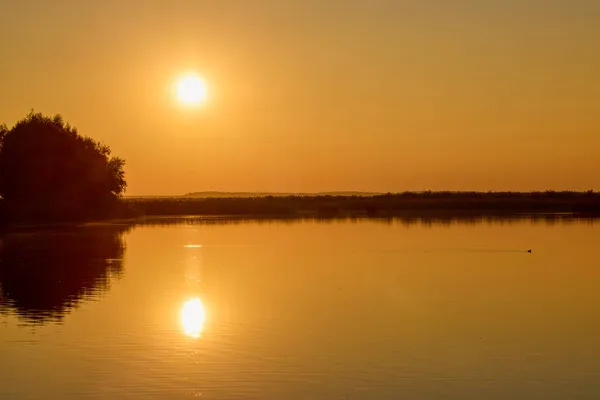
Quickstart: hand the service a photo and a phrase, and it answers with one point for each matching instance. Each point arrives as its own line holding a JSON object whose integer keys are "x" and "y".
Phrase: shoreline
{"x": 443, "y": 206}
{"x": 387, "y": 205}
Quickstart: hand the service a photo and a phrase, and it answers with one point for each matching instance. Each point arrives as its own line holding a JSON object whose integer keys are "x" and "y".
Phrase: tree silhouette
{"x": 49, "y": 173}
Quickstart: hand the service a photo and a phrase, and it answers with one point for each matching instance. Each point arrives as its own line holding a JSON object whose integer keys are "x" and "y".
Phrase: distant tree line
{"x": 418, "y": 203}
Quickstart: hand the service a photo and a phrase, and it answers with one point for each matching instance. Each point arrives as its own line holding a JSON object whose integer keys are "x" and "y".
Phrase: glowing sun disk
{"x": 191, "y": 90}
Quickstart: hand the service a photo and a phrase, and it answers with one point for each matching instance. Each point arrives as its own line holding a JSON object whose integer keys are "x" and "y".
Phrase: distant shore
{"x": 408, "y": 206}
{"x": 384, "y": 205}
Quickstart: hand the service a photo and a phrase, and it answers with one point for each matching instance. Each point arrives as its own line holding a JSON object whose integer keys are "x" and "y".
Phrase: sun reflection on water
{"x": 193, "y": 316}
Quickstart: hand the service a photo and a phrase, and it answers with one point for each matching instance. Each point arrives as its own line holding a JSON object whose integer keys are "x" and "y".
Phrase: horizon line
{"x": 355, "y": 192}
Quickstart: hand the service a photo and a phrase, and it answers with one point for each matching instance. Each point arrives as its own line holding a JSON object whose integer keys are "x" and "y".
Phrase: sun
{"x": 191, "y": 90}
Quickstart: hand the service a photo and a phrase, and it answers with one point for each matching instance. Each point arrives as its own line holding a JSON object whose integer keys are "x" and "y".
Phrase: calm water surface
{"x": 305, "y": 310}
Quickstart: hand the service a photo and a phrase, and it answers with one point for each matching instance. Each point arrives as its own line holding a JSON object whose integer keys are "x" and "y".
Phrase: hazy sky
{"x": 319, "y": 95}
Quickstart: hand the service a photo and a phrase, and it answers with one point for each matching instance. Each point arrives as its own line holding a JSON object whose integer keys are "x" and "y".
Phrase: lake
{"x": 339, "y": 309}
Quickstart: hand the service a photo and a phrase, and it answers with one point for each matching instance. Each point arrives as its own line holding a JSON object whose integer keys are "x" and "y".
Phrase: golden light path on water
{"x": 193, "y": 316}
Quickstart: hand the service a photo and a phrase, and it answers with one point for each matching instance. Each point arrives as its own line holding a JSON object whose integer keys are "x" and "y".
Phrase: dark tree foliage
{"x": 50, "y": 173}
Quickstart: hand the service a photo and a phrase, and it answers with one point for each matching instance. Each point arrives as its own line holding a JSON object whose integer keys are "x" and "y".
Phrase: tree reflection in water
{"x": 45, "y": 274}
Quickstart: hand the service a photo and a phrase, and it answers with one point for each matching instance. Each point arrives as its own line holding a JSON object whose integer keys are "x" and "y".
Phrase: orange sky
{"x": 319, "y": 95}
